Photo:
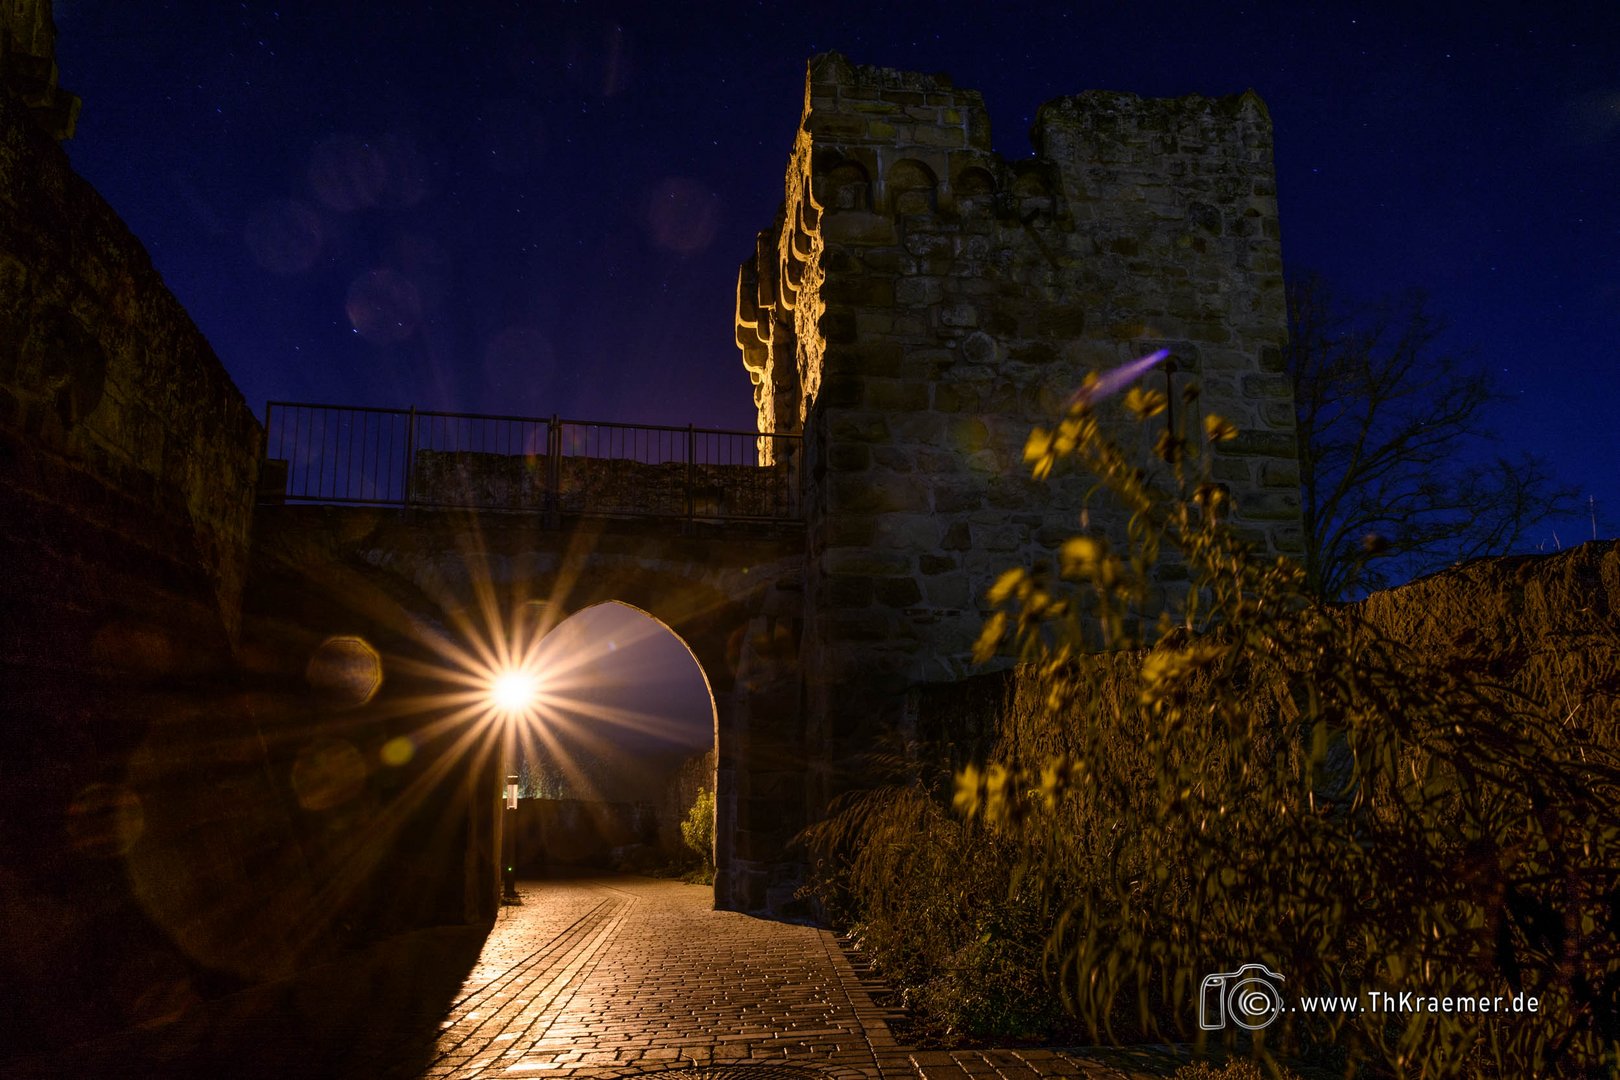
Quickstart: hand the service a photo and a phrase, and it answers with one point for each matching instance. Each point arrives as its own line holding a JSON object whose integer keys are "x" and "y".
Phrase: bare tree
{"x": 1399, "y": 474}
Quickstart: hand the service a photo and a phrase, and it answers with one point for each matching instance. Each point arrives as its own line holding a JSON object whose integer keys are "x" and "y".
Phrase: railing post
{"x": 554, "y": 444}
{"x": 264, "y": 450}
{"x": 410, "y": 455}
{"x": 691, "y": 472}
{"x": 801, "y": 460}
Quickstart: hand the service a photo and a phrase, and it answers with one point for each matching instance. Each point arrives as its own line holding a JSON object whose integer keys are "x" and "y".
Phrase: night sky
{"x": 539, "y": 208}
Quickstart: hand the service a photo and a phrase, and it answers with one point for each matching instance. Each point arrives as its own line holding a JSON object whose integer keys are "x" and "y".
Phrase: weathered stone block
{"x": 1061, "y": 322}
{"x": 843, "y": 389}
{"x": 861, "y": 560}
{"x": 898, "y": 592}
{"x": 997, "y": 537}
{"x": 969, "y": 435}
{"x": 1279, "y": 474}
{"x": 874, "y": 493}
{"x": 839, "y": 327}
{"x": 958, "y": 397}
{"x": 1261, "y": 444}
{"x": 1277, "y": 414}
{"x": 869, "y": 289}
{"x": 1270, "y": 506}
{"x": 958, "y": 498}
{"x": 850, "y": 530}
{"x": 918, "y": 291}
{"x": 1266, "y": 385}
{"x": 848, "y": 590}
{"x": 893, "y": 458}
{"x": 857, "y": 427}
{"x": 908, "y": 532}
{"x": 948, "y": 591}
{"x": 849, "y": 457}
{"x": 896, "y": 394}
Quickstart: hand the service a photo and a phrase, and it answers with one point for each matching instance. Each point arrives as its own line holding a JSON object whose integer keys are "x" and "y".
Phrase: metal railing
{"x": 411, "y": 457}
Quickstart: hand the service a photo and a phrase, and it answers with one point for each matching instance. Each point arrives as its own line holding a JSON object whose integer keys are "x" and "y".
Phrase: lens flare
{"x": 514, "y": 692}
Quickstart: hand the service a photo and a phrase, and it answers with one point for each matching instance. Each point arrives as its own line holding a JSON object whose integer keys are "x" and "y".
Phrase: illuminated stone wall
{"x": 921, "y": 302}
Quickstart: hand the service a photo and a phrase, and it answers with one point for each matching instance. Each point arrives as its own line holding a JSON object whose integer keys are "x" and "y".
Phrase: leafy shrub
{"x": 1242, "y": 776}
{"x": 1231, "y": 1070}
{"x": 926, "y": 895}
{"x": 698, "y": 828}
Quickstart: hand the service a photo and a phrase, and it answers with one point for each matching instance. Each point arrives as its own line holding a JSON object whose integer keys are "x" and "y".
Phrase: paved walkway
{"x": 620, "y": 976}
{"x": 604, "y": 977}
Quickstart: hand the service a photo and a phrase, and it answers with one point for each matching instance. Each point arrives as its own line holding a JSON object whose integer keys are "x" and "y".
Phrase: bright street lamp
{"x": 515, "y": 691}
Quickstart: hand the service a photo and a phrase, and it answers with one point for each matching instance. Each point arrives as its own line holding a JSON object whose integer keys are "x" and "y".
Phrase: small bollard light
{"x": 511, "y": 792}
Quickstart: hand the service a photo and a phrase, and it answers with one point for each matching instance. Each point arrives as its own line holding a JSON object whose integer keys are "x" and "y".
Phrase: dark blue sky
{"x": 553, "y": 198}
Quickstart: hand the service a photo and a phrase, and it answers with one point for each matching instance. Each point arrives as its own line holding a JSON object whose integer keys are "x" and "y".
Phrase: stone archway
{"x": 622, "y": 736}
{"x": 728, "y": 594}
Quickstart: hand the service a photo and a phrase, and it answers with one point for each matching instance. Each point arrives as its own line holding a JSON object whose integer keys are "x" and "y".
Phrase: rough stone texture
{"x": 921, "y": 303}
{"x": 603, "y": 485}
{"x": 101, "y": 367}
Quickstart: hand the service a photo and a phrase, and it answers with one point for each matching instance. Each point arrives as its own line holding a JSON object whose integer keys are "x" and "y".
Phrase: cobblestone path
{"x": 605, "y": 977}
{"x": 621, "y": 976}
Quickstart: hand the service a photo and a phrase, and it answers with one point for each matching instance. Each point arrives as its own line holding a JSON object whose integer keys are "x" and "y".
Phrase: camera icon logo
{"x": 1247, "y": 997}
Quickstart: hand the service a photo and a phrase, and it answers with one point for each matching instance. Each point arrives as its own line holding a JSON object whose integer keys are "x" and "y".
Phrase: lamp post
{"x": 513, "y": 699}
{"x": 509, "y": 892}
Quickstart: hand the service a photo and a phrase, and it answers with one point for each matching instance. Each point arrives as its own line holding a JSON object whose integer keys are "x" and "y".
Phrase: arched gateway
{"x": 728, "y": 591}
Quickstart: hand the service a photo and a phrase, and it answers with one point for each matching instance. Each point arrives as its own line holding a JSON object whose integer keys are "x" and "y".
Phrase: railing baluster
{"x": 691, "y": 473}
{"x": 410, "y": 456}
{"x": 554, "y": 443}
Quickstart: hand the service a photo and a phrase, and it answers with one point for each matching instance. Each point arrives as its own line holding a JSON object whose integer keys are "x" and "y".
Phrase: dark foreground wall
{"x": 127, "y": 460}
{"x": 171, "y": 826}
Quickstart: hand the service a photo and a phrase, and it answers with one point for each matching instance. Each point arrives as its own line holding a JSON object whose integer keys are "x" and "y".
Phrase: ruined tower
{"x": 920, "y": 303}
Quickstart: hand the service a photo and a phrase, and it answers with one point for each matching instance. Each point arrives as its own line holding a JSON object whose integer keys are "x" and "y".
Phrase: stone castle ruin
{"x": 918, "y": 305}
{"x": 921, "y": 303}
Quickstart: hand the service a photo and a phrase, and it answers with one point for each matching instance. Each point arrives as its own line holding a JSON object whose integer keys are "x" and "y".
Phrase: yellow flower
{"x": 990, "y": 637}
{"x": 1005, "y": 585}
{"x": 966, "y": 801}
{"x": 1219, "y": 428}
{"x": 1038, "y": 446}
{"x": 1145, "y": 403}
{"x": 1078, "y": 556}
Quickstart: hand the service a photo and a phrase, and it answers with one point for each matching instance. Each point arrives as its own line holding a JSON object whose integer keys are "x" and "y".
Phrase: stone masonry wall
{"x": 127, "y": 467}
{"x": 921, "y": 303}
{"x": 602, "y": 485}
{"x": 100, "y": 365}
